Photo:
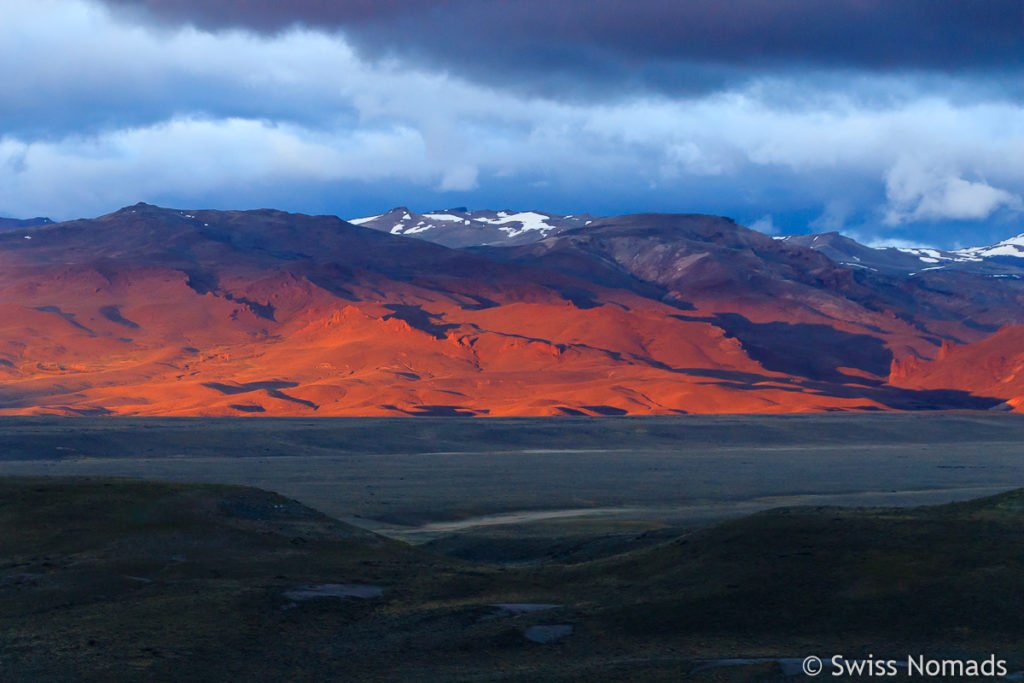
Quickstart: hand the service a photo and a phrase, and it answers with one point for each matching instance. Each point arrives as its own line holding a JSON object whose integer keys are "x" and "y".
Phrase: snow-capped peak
{"x": 909, "y": 258}
{"x": 462, "y": 228}
{"x": 1013, "y": 246}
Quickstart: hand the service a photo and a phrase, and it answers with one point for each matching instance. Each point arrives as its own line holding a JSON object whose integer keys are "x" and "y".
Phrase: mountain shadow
{"x": 805, "y": 350}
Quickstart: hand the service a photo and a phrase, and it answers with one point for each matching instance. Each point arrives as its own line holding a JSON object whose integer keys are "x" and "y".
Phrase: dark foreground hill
{"x": 114, "y": 579}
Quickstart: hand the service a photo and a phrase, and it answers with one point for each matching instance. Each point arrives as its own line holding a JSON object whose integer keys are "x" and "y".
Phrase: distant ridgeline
{"x": 13, "y": 223}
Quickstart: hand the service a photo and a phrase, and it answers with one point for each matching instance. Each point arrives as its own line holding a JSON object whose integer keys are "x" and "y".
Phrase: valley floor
{"x": 408, "y": 472}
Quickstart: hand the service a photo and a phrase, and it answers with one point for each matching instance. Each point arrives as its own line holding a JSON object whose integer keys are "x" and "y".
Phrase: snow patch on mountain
{"x": 421, "y": 226}
{"x": 445, "y": 217}
{"x": 1009, "y": 247}
{"x": 899, "y": 258}
{"x": 926, "y": 255}
{"x": 528, "y": 220}
{"x": 460, "y": 227}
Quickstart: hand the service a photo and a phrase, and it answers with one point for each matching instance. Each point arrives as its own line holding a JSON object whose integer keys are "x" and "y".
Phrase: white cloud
{"x": 459, "y": 178}
{"x": 918, "y": 192}
{"x": 135, "y": 111}
{"x": 764, "y": 224}
{"x": 833, "y": 218}
{"x": 894, "y": 242}
{"x": 194, "y": 157}
{"x": 687, "y": 157}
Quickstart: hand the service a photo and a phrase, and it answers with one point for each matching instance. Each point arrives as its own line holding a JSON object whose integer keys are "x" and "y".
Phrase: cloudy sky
{"x": 890, "y": 120}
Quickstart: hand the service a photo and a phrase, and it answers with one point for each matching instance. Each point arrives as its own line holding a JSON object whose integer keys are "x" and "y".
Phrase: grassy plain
{"x": 409, "y": 472}
{"x": 639, "y": 530}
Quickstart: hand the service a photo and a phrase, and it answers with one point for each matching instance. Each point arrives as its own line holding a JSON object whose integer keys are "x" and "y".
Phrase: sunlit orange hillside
{"x": 991, "y": 367}
{"x": 151, "y": 311}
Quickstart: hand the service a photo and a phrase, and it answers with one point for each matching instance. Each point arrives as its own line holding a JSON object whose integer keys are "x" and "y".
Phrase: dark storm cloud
{"x": 822, "y": 115}
{"x": 609, "y": 38}
{"x": 82, "y": 112}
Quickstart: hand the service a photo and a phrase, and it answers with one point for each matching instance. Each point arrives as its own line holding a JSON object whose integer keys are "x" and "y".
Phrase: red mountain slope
{"x": 151, "y": 311}
{"x": 991, "y": 367}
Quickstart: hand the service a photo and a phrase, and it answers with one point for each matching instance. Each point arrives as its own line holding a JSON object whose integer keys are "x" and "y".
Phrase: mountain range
{"x": 459, "y": 228}
{"x": 155, "y": 311}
